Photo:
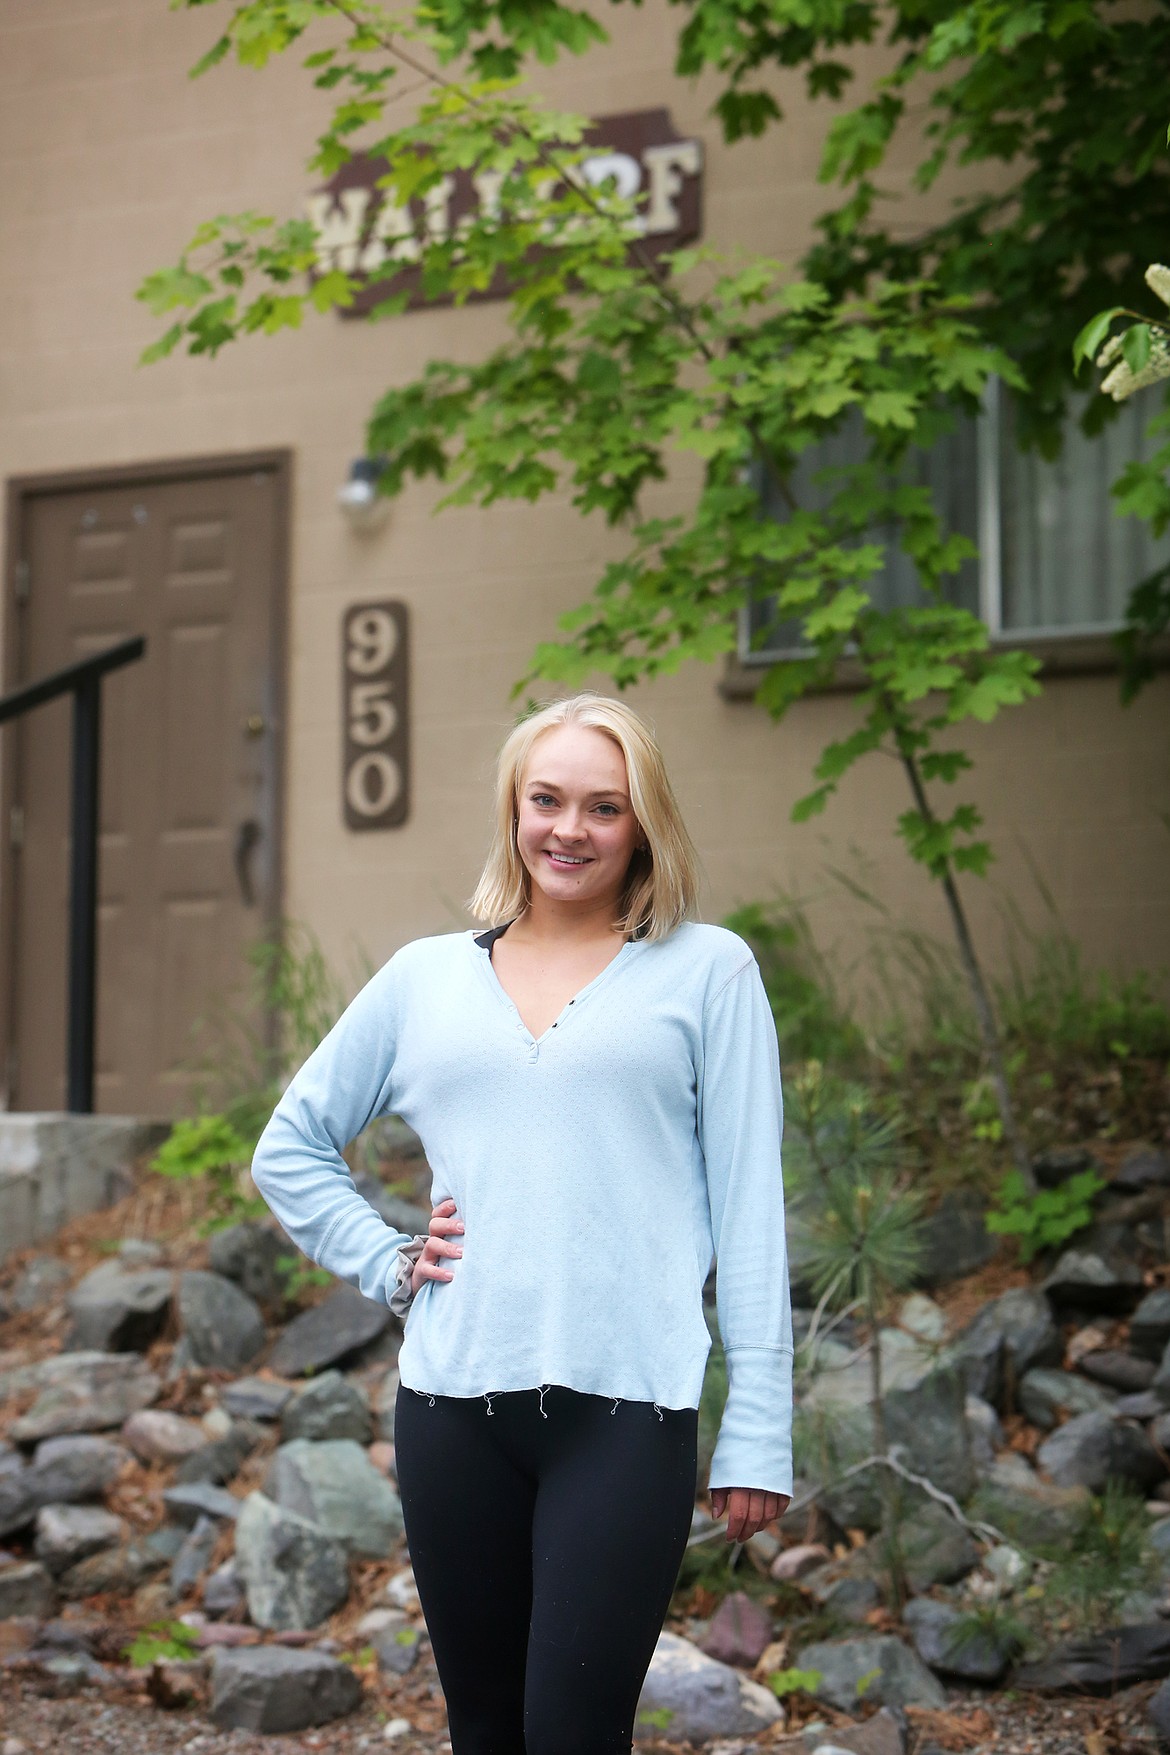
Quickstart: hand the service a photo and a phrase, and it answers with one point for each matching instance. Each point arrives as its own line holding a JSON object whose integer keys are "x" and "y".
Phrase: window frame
{"x": 1087, "y": 638}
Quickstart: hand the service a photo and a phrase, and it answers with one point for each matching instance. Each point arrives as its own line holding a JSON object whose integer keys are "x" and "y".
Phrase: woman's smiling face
{"x": 575, "y": 803}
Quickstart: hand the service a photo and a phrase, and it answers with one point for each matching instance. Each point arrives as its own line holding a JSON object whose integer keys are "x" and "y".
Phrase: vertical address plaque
{"x": 375, "y": 677}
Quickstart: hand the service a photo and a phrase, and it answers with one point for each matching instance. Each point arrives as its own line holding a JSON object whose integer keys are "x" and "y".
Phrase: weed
{"x": 161, "y": 1639}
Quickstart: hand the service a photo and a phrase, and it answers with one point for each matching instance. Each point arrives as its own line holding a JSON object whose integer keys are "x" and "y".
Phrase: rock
{"x": 1033, "y": 1512}
{"x": 256, "y": 1398}
{"x": 1091, "y": 1448}
{"x": 76, "y": 1466}
{"x": 924, "y": 1414}
{"x": 936, "y": 1548}
{"x": 156, "y": 1436}
{"x": 403, "y": 1592}
{"x": 703, "y": 1698}
{"x": 269, "y": 1688}
{"x": 396, "y": 1648}
{"x": 248, "y": 1254}
{"x": 120, "y": 1570}
{"x": 329, "y": 1406}
{"x": 25, "y": 1589}
{"x": 42, "y": 1279}
{"x": 68, "y": 1533}
{"x": 191, "y": 1500}
{"x": 923, "y": 1318}
{"x": 1118, "y": 1370}
{"x": 1149, "y": 1326}
{"x": 222, "y": 1459}
{"x": 792, "y": 1563}
{"x": 849, "y": 1598}
{"x": 63, "y": 1470}
{"x": 1103, "y": 1663}
{"x": 140, "y": 1252}
{"x": 329, "y": 1333}
{"x": 1147, "y": 1404}
{"x": 194, "y": 1557}
{"x": 222, "y": 1326}
{"x": 1087, "y": 1279}
{"x": 85, "y": 1392}
{"x": 294, "y": 1574}
{"x": 223, "y": 1594}
{"x": 1013, "y": 1334}
{"x": 897, "y": 1676}
{"x": 117, "y": 1310}
{"x": 333, "y": 1483}
{"x": 1142, "y": 1167}
{"x": 1047, "y": 1397}
{"x": 984, "y": 1432}
{"x": 1059, "y": 1163}
{"x": 883, "y": 1734}
{"x": 739, "y": 1631}
{"x": 955, "y": 1240}
{"x": 165, "y": 1541}
{"x": 934, "y": 1628}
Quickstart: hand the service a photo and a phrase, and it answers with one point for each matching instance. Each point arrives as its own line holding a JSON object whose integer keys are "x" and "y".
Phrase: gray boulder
{"x": 188, "y": 1501}
{"x": 1096, "y": 1280}
{"x": 68, "y": 1533}
{"x": 329, "y": 1333}
{"x": 1118, "y": 1370}
{"x": 699, "y": 1697}
{"x": 271, "y": 1688}
{"x": 1012, "y": 1335}
{"x": 956, "y": 1241}
{"x": 1047, "y": 1397}
{"x": 221, "y": 1459}
{"x": 84, "y": 1392}
{"x": 294, "y": 1575}
{"x": 1030, "y": 1512}
{"x": 63, "y": 1470}
{"x": 936, "y": 1548}
{"x": 255, "y": 1398}
{"x": 1149, "y": 1326}
{"x": 223, "y": 1595}
{"x": 329, "y": 1406}
{"x": 334, "y": 1485}
{"x": 120, "y": 1570}
{"x": 1102, "y": 1663}
{"x": 248, "y": 1254}
{"x": 26, "y": 1588}
{"x": 222, "y": 1326}
{"x": 879, "y": 1668}
{"x": 41, "y": 1279}
{"x": 934, "y": 1628}
{"x": 194, "y": 1557}
{"x": 1088, "y": 1450}
{"x": 118, "y": 1310}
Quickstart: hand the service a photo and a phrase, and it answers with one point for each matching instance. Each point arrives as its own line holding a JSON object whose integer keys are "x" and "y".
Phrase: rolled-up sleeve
{"x": 740, "y": 1119}
{"x": 297, "y": 1165}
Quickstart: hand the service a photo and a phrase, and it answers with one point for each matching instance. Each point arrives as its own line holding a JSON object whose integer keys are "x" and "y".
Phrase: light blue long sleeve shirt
{"x": 597, "y": 1169}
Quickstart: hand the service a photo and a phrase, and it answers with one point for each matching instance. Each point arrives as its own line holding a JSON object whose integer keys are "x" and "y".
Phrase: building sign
{"x": 362, "y": 233}
{"x": 374, "y": 679}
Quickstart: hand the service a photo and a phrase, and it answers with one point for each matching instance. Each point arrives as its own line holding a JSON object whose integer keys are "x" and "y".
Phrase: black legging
{"x": 546, "y": 1539}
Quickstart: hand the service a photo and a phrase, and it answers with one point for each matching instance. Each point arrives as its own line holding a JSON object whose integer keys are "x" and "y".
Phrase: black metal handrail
{"x": 84, "y": 679}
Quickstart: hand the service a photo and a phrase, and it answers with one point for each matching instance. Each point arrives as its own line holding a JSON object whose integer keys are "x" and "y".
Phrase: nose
{"x": 569, "y": 826}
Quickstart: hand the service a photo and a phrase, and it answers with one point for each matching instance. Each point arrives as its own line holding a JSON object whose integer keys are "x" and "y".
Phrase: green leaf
{"x": 1088, "y": 341}
{"x": 1135, "y": 347}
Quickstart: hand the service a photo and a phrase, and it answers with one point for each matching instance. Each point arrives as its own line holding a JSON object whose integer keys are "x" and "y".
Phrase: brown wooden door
{"x": 188, "y": 866}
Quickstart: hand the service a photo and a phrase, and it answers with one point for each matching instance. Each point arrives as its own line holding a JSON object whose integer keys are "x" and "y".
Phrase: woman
{"x": 596, "y": 1082}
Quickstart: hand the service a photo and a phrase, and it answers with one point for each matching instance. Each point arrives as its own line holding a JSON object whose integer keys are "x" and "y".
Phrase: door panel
{"x": 189, "y": 753}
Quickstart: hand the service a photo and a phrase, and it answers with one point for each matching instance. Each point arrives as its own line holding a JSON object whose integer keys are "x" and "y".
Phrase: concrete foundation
{"x": 54, "y": 1166}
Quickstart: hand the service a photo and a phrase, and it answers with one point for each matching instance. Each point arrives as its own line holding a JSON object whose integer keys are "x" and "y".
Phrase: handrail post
{"x": 83, "y": 893}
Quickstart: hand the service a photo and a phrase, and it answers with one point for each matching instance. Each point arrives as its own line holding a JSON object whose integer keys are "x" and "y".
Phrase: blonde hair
{"x": 662, "y": 882}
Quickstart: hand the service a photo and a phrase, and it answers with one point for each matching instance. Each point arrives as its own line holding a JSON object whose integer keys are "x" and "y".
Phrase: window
{"x": 1054, "y": 561}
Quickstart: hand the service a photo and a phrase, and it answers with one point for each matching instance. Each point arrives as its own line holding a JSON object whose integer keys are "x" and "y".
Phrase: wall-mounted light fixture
{"x": 364, "y": 507}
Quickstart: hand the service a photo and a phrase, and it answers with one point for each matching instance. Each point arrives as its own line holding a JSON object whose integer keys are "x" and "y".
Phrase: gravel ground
{"x": 119, "y": 1720}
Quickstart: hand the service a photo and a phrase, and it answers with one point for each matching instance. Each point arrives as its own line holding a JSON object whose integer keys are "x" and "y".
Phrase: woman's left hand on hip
{"x": 748, "y": 1509}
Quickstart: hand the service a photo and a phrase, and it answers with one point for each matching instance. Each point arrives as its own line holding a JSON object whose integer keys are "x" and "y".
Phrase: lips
{"x": 569, "y": 862}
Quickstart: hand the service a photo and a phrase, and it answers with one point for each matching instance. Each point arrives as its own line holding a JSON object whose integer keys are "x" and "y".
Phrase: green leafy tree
{"x": 618, "y": 362}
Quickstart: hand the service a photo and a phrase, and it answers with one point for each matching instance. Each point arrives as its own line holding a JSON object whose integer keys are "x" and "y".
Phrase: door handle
{"x": 247, "y": 835}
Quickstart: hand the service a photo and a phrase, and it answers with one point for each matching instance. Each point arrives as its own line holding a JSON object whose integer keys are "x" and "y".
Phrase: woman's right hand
{"x": 444, "y": 1225}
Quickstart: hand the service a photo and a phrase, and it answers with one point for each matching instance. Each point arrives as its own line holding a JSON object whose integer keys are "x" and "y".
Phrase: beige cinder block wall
{"x": 111, "y": 156}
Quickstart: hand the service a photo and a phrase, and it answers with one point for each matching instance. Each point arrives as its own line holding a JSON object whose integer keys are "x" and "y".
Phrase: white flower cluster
{"x": 1122, "y": 380}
